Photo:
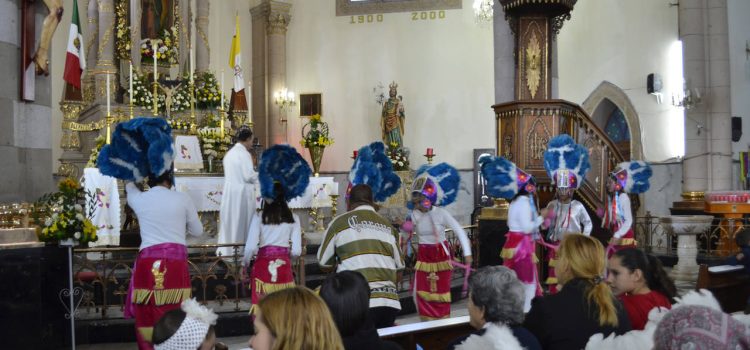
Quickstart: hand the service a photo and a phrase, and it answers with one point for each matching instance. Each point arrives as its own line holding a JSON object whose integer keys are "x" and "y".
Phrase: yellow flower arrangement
{"x": 66, "y": 218}
{"x": 315, "y": 133}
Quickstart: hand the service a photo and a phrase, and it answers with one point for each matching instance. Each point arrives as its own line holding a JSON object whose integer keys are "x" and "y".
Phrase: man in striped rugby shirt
{"x": 361, "y": 240}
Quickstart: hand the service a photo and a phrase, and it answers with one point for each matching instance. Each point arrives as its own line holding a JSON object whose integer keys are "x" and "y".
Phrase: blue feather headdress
{"x": 504, "y": 178}
{"x": 439, "y": 183}
{"x": 139, "y": 148}
{"x": 283, "y": 164}
{"x": 373, "y": 168}
{"x": 566, "y": 162}
{"x": 633, "y": 177}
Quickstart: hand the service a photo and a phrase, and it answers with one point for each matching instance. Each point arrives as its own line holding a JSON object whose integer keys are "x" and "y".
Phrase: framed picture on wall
{"x": 310, "y": 104}
{"x": 480, "y": 198}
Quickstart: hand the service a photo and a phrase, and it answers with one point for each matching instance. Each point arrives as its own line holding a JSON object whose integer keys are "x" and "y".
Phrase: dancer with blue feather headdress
{"x": 364, "y": 241}
{"x": 628, "y": 177}
{"x": 275, "y": 234}
{"x": 142, "y": 148}
{"x": 566, "y": 163}
{"x": 506, "y": 180}
{"x": 434, "y": 187}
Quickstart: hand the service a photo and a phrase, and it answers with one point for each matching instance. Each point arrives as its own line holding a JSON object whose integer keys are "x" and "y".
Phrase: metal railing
{"x": 104, "y": 275}
{"x": 655, "y": 237}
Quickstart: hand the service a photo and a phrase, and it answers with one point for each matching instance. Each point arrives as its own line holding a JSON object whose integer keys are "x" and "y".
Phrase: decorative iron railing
{"x": 104, "y": 275}
{"x": 655, "y": 237}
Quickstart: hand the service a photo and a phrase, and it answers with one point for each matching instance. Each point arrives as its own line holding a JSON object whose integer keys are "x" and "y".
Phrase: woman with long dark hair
{"x": 640, "y": 282}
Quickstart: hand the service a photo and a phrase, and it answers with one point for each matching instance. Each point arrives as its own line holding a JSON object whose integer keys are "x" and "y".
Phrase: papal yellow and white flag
{"x": 235, "y": 57}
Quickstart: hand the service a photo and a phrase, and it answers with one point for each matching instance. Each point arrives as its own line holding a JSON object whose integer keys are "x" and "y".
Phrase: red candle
{"x": 354, "y": 154}
{"x": 429, "y": 151}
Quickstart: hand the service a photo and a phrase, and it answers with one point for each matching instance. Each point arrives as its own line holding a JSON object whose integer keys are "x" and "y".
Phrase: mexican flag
{"x": 235, "y": 58}
{"x": 75, "y": 61}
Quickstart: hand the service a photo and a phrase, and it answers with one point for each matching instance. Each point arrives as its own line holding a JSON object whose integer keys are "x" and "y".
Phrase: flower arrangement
{"x": 143, "y": 95}
{"x": 98, "y": 144}
{"x": 207, "y": 92}
{"x": 66, "y": 217}
{"x": 315, "y": 133}
{"x": 166, "y": 47}
{"x": 213, "y": 145}
{"x": 122, "y": 30}
{"x": 399, "y": 157}
{"x": 179, "y": 124}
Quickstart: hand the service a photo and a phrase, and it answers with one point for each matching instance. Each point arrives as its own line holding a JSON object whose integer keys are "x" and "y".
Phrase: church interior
{"x": 665, "y": 82}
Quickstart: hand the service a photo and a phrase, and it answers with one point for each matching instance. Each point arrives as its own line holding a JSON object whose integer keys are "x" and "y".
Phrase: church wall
{"x": 622, "y": 42}
{"x": 739, "y": 65}
{"x": 443, "y": 67}
{"x": 25, "y": 148}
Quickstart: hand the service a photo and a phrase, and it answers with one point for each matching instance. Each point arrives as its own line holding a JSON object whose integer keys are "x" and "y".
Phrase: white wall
{"x": 622, "y": 42}
{"x": 739, "y": 67}
{"x": 443, "y": 67}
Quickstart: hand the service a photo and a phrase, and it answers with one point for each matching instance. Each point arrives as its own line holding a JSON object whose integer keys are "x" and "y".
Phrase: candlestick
{"x": 131, "y": 90}
{"x": 221, "y": 124}
{"x": 155, "y": 47}
{"x": 191, "y": 65}
{"x": 429, "y": 151}
{"x": 221, "y": 88}
{"x": 108, "y": 106}
{"x": 354, "y": 154}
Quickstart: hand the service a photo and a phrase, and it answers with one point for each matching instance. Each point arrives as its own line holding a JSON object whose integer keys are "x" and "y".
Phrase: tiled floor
{"x": 457, "y": 309}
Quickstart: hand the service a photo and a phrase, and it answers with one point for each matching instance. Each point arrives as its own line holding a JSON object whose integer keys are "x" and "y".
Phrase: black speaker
{"x": 653, "y": 83}
{"x": 736, "y": 129}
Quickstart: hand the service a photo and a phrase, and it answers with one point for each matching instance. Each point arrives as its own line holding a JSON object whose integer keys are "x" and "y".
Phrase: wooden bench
{"x": 429, "y": 335}
{"x": 731, "y": 289}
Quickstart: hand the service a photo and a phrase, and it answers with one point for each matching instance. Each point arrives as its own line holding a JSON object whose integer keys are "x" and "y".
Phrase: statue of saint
{"x": 392, "y": 119}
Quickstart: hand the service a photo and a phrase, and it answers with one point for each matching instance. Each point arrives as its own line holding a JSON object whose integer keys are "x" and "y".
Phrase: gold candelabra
{"x": 334, "y": 204}
{"x": 429, "y": 158}
{"x": 154, "y": 97}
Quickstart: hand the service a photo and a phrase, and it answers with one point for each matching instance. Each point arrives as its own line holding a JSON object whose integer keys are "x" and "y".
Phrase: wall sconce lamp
{"x": 285, "y": 100}
{"x": 687, "y": 99}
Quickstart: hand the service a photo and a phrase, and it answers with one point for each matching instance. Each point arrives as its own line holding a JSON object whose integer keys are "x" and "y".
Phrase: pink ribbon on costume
{"x": 548, "y": 245}
{"x": 467, "y": 271}
{"x": 164, "y": 250}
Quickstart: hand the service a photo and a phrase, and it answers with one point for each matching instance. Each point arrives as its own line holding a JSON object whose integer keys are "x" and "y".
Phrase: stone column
{"x": 718, "y": 97}
{"x": 105, "y": 53}
{"x": 202, "y": 48}
{"x": 92, "y": 46}
{"x": 504, "y": 46}
{"x": 694, "y": 167}
{"x": 270, "y": 21}
{"x": 136, "y": 12}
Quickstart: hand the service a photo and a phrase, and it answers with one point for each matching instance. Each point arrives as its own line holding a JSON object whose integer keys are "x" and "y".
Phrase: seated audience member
{"x": 495, "y": 306}
{"x": 294, "y": 318}
{"x": 743, "y": 257}
{"x": 700, "y": 327}
{"x": 644, "y": 339}
{"x": 187, "y": 328}
{"x": 640, "y": 282}
{"x": 347, "y": 295}
{"x": 585, "y": 305}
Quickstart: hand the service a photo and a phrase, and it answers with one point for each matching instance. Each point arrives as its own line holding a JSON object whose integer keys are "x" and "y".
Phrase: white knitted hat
{"x": 193, "y": 329}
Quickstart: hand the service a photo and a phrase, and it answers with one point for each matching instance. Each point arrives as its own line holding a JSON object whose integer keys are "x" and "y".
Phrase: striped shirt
{"x": 361, "y": 240}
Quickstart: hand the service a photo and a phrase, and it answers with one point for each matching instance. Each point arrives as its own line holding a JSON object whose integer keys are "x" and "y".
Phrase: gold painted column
{"x": 71, "y": 159}
{"x": 270, "y": 22}
{"x": 105, "y": 51}
{"x": 92, "y": 46}
{"x": 202, "y": 48}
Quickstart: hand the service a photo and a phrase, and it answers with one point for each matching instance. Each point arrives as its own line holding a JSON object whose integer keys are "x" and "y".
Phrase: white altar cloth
{"x": 206, "y": 192}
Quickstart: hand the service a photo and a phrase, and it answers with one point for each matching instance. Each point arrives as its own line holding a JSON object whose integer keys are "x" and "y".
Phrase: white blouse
{"x": 430, "y": 228}
{"x": 261, "y": 235}
{"x": 520, "y": 216}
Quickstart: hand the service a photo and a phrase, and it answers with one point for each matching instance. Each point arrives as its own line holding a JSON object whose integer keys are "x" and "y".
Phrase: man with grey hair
{"x": 495, "y": 306}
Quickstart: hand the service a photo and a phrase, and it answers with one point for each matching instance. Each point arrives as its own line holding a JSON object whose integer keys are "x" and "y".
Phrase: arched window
{"x": 617, "y": 127}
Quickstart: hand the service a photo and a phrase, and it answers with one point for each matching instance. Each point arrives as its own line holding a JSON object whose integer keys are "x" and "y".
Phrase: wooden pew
{"x": 429, "y": 335}
{"x": 731, "y": 289}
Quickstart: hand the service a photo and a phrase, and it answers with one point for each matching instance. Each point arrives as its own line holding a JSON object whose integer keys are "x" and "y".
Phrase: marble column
{"x": 202, "y": 48}
{"x": 106, "y": 51}
{"x": 718, "y": 98}
{"x": 694, "y": 167}
{"x": 270, "y": 21}
{"x": 92, "y": 46}
{"x": 136, "y": 11}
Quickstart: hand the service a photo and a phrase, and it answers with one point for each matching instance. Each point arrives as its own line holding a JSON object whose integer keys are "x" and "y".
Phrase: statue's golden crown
{"x": 393, "y": 86}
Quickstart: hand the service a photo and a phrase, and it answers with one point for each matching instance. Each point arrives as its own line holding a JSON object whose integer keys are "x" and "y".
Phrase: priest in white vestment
{"x": 238, "y": 198}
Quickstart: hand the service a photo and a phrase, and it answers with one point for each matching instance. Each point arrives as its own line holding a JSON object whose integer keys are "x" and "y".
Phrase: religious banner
{"x": 103, "y": 201}
{"x": 188, "y": 154}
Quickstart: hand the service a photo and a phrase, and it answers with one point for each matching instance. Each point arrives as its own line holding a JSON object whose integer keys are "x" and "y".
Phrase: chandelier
{"x": 483, "y": 11}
